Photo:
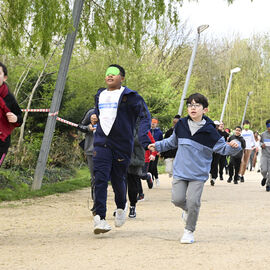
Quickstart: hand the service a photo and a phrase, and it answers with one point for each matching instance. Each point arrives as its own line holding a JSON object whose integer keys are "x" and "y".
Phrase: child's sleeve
{"x": 167, "y": 144}
{"x": 144, "y": 124}
{"x": 224, "y": 149}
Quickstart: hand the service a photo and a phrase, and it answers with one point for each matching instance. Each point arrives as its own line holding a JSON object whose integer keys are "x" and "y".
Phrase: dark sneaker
{"x": 267, "y": 188}
{"x": 149, "y": 180}
{"x": 140, "y": 197}
{"x": 212, "y": 182}
{"x": 132, "y": 212}
{"x": 242, "y": 179}
{"x": 229, "y": 180}
{"x": 221, "y": 178}
{"x": 263, "y": 181}
{"x": 235, "y": 182}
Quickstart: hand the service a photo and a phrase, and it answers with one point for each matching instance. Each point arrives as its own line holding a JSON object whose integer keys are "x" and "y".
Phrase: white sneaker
{"x": 120, "y": 217}
{"x": 187, "y": 237}
{"x": 157, "y": 182}
{"x": 100, "y": 225}
{"x": 184, "y": 216}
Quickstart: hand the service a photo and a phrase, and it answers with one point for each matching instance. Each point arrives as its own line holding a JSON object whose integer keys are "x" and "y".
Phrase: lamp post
{"x": 200, "y": 29}
{"x": 234, "y": 70}
{"x": 244, "y": 115}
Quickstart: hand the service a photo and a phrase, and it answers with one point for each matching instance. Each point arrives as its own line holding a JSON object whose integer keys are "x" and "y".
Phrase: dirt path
{"x": 55, "y": 232}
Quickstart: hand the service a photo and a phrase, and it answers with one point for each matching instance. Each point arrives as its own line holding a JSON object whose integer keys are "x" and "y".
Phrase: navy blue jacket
{"x": 131, "y": 107}
{"x": 157, "y": 134}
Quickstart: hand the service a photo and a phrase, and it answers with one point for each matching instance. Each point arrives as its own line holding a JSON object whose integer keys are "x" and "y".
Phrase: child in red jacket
{"x": 10, "y": 114}
{"x": 149, "y": 156}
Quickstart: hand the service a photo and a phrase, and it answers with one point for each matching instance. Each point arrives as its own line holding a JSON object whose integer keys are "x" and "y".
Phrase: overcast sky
{"x": 243, "y": 17}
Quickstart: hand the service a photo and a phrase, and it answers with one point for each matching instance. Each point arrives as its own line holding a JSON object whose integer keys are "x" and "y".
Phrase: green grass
{"x": 23, "y": 191}
{"x": 81, "y": 180}
{"x": 161, "y": 166}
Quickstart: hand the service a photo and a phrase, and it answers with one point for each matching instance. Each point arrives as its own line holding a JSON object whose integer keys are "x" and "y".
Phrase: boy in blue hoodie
{"x": 118, "y": 108}
{"x": 196, "y": 138}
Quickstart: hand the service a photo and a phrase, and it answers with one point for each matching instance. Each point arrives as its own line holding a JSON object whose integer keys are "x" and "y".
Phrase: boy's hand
{"x": 152, "y": 158}
{"x": 93, "y": 119}
{"x": 233, "y": 144}
{"x": 12, "y": 118}
{"x": 91, "y": 127}
{"x": 152, "y": 147}
{"x": 263, "y": 145}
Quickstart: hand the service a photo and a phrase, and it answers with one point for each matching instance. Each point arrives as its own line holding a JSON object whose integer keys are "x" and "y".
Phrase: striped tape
{"x": 66, "y": 122}
{"x": 35, "y": 110}
{"x": 51, "y": 114}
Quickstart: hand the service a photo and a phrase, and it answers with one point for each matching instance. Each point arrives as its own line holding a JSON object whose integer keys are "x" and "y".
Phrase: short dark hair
{"x": 4, "y": 68}
{"x": 177, "y": 116}
{"x": 122, "y": 70}
{"x": 267, "y": 122}
{"x": 246, "y": 122}
{"x": 199, "y": 98}
{"x": 238, "y": 127}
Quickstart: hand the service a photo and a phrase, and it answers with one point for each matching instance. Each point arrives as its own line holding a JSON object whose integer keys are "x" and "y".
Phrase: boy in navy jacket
{"x": 117, "y": 108}
{"x": 196, "y": 138}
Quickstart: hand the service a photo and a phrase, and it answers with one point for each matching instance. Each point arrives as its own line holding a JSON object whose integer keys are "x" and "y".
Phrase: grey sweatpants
{"x": 265, "y": 168}
{"x": 187, "y": 195}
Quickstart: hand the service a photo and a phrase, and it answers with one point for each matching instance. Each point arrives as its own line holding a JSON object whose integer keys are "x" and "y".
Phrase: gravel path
{"x": 56, "y": 232}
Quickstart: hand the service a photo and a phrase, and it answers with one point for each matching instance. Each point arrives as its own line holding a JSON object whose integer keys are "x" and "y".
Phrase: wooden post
{"x": 57, "y": 97}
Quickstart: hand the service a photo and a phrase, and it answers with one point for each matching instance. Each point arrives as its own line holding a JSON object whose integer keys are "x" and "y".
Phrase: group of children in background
{"x": 254, "y": 154}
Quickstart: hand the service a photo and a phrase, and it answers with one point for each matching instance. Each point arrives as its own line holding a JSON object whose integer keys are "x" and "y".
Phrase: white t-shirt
{"x": 249, "y": 138}
{"x": 108, "y": 104}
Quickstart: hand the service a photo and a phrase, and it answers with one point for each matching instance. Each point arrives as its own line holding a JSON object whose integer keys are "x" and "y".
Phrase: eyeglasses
{"x": 195, "y": 105}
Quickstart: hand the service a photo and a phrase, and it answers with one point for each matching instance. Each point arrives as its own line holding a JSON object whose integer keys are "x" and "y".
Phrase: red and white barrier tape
{"x": 51, "y": 114}
{"x": 66, "y": 122}
{"x": 35, "y": 110}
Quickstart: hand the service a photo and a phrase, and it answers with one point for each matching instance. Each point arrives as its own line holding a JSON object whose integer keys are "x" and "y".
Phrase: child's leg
{"x": 194, "y": 193}
{"x": 264, "y": 167}
{"x": 179, "y": 189}
{"x": 214, "y": 165}
{"x": 102, "y": 159}
{"x": 222, "y": 162}
{"x": 244, "y": 162}
{"x": 118, "y": 174}
{"x": 231, "y": 167}
{"x": 144, "y": 171}
{"x": 139, "y": 186}
{"x": 237, "y": 163}
{"x": 132, "y": 188}
{"x": 268, "y": 172}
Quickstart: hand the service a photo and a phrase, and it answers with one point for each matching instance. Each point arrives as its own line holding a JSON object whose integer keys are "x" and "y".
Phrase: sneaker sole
{"x": 99, "y": 230}
{"x": 186, "y": 242}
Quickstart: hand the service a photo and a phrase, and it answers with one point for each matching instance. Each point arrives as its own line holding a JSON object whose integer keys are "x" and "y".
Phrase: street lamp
{"x": 234, "y": 70}
{"x": 200, "y": 29}
{"x": 244, "y": 115}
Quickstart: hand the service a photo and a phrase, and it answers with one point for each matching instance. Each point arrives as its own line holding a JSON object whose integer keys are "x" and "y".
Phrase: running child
{"x": 196, "y": 138}
{"x": 117, "y": 108}
{"x": 235, "y": 161}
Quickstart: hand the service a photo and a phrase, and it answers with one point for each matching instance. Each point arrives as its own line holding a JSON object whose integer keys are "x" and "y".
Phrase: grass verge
{"x": 23, "y": 191}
